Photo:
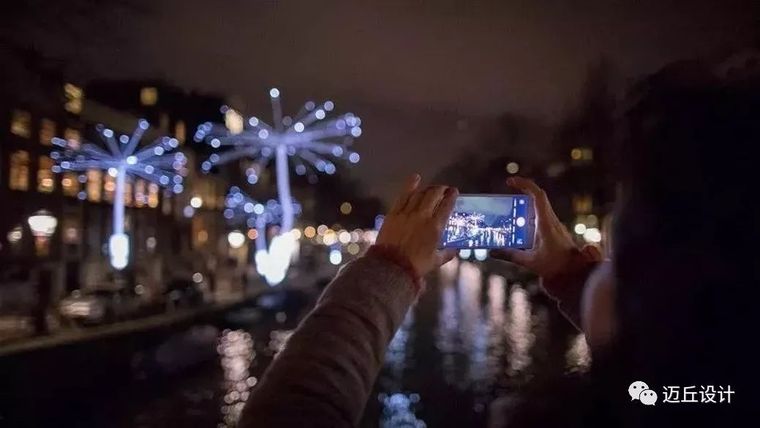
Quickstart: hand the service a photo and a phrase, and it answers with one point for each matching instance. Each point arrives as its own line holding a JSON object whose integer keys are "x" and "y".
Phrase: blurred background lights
{"x": 592, "y": 235}
{"x": 336, "y": 257}
{"x": 196, "y": 202}
{"x": 236, "y": 239}
{"x": 579, "y": 229}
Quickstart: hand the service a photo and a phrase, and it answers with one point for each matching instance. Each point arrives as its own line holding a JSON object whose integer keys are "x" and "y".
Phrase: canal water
{"x": 475, "y": 336}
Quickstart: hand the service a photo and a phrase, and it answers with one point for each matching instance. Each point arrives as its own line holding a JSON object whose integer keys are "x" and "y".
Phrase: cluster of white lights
{"x": 272, "y": 261}
{"x": 308, "y": 138}
{"x": 121, "y": 158}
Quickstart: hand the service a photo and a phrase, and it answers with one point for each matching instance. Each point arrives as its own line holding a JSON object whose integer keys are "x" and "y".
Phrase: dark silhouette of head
{"x": 686, "y": 238}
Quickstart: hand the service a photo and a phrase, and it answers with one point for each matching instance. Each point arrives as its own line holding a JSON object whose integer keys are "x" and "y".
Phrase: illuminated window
{"x": 582, "y": 204}
{"x": 148, "y": 96}
{"x": 74, "y": 137}
{"x": 140, "y": 196}
{"x": 128, "y": 194}
{"x": 109, "y": 185}
{"x": 153, "y": 195}
{"x": 19, "y": 171}
{"x": 180, "y": 131}
{"x": 45, "y": 180}
{"x": 582, "y": 154}
{"x": 199, "y": 234}
{"x": 74, "y": 98}
{"x": 70, "y": 184}
{"x": 94, "y": 184}
{"x": 21, "y": 123}
{"x": 47, "y": 132}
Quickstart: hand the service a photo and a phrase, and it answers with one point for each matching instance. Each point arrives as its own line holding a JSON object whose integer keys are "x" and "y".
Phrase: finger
{"x": 544, "y": 212}
{"x": 409, "y": 187}
{"x": 414, "y": 201}
{"x": 445, "y": 256}
{"x": 592, "y": 252}
{"x": 446, "y": 206}
{"x": 520, "y": 257}
{"x": 432, "y": 198}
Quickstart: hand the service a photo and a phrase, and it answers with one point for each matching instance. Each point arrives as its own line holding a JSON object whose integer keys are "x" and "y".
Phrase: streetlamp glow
{"x": 42, "y": 224}
{"x": 236, "y": 239}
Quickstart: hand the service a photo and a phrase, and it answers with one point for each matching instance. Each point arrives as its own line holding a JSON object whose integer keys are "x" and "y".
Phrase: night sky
{"x": 413, "y": 69}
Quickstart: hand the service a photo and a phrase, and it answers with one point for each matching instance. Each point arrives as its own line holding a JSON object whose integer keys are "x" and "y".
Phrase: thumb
{"x": 520, "y": 257}
{"x": 592, "y": 253}
{"x": 445, "y": 256}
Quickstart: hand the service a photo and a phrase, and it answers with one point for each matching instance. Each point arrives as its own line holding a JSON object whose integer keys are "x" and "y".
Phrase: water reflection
{"x": 236, "y": 351}
{"x": 520, "y": 338}
{"x": 398, "y": 411}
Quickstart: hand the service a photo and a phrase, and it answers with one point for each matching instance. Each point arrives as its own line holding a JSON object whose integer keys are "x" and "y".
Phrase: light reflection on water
{"x": 236, "y": 352}
{"x": 485, "y": 336}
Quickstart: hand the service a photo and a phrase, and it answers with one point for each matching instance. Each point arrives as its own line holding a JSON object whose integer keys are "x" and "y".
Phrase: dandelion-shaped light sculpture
{"x": 271, "y": 263}
{"x": 309, "y": 140}
{"x": 121, "y": 158}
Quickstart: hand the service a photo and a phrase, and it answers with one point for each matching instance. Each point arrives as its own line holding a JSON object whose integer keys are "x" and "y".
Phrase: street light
{"x": 43, "y": 224}
{"x": 236, "y": 239}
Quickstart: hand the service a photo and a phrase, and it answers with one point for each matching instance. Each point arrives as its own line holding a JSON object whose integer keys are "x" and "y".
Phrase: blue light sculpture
{"x": 121, "y": 159}
{"x": 272, "y": 263}
{"x": 308, "y": 140}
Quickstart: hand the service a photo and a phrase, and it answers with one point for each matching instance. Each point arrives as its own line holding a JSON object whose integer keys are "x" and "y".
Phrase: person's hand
{"x": 554, "y": 248}
{"x": 415, "y": 223}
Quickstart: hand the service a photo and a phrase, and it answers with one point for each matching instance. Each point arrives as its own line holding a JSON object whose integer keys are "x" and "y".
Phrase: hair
{"x": 686, "y": 237}
{"x": 687, "y": 259}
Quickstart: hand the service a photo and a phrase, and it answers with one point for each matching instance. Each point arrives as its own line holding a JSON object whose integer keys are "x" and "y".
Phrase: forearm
{"x": 325, "y": 374}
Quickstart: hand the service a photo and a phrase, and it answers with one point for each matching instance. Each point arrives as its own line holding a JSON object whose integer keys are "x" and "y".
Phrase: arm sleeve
{"x": 326, "y": 371}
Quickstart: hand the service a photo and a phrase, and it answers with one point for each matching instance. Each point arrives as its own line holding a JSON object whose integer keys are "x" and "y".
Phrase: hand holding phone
{"x": 490, "y": 221}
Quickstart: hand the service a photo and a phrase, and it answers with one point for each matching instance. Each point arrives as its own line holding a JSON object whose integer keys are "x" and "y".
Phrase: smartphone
{"x": 491, "y": 221}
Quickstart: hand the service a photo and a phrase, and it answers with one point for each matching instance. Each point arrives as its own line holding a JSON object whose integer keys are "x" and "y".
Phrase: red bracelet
{"x": 392, "y": 254}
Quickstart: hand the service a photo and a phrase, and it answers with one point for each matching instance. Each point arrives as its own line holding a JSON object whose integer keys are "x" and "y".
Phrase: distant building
{"x": 167, "y": 230}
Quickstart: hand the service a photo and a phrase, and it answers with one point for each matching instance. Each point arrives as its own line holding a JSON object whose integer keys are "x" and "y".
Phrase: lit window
{"x": 582, "y": 204}
{"x": 140, "y": 196}
{"x": 74, "y": 98}
{"x": 45, "y": 180}
{"x": 199, "y": 234}
{"x": 73, "y": 137}
{"x": 180, "y": 131}
{"x": 47, "y": 132}
{"x": 70, "y": 184}
{"x": 128, "y": 194}
{"x": 21, "y": 123}
{"x": 148, "y": 96}
{"x": 19, "y": 171}
{"x": 109, "y": 185}
{"x": 582, "y": 154}
{"x": 153, "y": 195}
{"x": 94, "y": 185}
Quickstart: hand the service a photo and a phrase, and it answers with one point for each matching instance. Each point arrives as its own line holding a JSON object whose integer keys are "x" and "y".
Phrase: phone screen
{"x": 490, "y": 221}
